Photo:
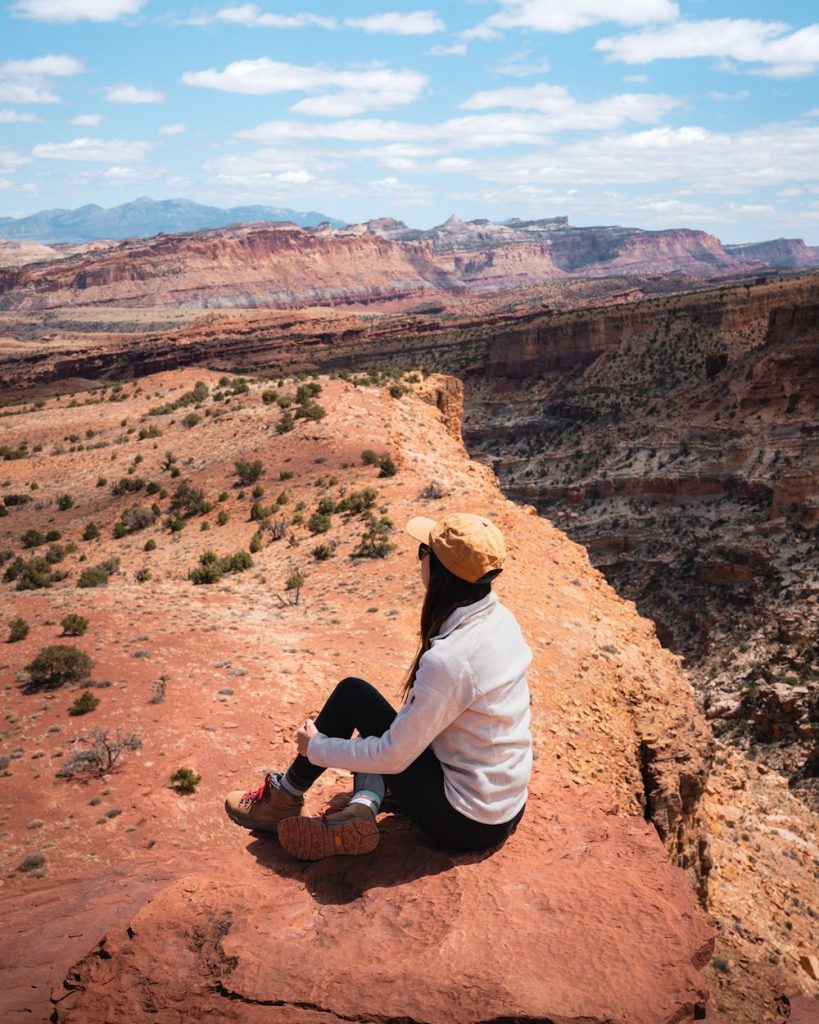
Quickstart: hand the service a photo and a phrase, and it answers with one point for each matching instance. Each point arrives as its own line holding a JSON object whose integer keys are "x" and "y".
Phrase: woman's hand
{"x": 305, "y": 734}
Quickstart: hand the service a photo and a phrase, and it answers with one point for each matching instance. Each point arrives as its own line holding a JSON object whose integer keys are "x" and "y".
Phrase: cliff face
{"x": 678, "y": 440}
{"x": 606, "y": 870}
{"x": 257, "y": 265}
{"x": 382, "y": 263}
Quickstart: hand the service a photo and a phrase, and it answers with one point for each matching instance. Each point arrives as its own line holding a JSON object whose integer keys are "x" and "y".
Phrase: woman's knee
{"x": 351, "y": 685}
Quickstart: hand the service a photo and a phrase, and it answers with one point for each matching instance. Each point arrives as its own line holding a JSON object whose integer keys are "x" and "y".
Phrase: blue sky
{"x": 651, "y": 113}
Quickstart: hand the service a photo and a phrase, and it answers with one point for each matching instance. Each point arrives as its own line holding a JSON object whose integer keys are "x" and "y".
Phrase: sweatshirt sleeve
{"x": 441, "y": 692}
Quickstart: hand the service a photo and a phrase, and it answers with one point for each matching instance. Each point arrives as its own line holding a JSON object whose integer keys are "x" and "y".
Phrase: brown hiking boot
{"x": 262, "y": 809}
{"x": 350, "y": 830}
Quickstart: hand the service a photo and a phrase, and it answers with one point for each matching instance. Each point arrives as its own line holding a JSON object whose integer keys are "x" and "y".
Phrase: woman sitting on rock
{"x": 458, "y": 755}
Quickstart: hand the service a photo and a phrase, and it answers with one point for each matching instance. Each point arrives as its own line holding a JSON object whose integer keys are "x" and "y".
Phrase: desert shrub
{"x": 148, "y": 432}
{"x": 306, "y": 392}
{"x": 258, "y": 491}
{"x": 150, "y": 545}
{"x": 319, "y": 522}
{"x": 74, "y": 625}
{"x": 256, "y": 542}
{"x": 357, "y": 502}
{"x": 127, "y": 485}
{"x": 286, "y": 423}
{"x": 135, "y": 518}
{"x": 375, "y": 541}
{"x": 369, "y": 457}
{"x": 326, "y": 506}
{"x": 142, "y": 575}
{"x": 188, "y": 501}
{"x": 101, "y": 754}
{"x": 223, "y": 517}
{"x": 84, "y": 703}
{"x": 65, "y": 502}
{"x": 9, "y": 454}
{"x": 311, "y": 411}
{"x": 31, "y": 574}
{"x": 191, "y": 419}
{"x": 387, "y": 465}
{"x": 18, "y": 629}
{"x": 98, "y": 575}
{"x": 278, "y": 529}
{"x": 321, "y": 552}
{"x": 258, "y": 512}
{"x": 185, "y": 780}
{"x": 58, "y": 664}
{"x": 198, "y": 394}
{"x": 269, "y": 396}
{"x": 295, "y": 581}
{"x": 212, "y": 567}
{"x": 397, "y": 390}
{"x": 286, "y": 474}
{"x": 433, "y": 491}
{"x": 32, "y": 539}
{"x": 12, "y": 500}
{"x": 91, "y": 532}
{"x": 248, "y": 472}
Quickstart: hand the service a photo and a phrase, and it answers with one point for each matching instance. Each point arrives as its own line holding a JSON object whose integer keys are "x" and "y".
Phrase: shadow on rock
{"x": 404, "y": 854}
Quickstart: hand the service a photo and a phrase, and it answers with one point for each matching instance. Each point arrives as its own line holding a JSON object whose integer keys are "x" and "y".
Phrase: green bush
{"x": 369, "y": 457}
{"x": 59, "y": 664}
{"x": 31, "y": 574}
{"x": 319, "y": 522}
{"x": 185, "y": 780}
{"x": 248, "y": 472}
{"x": 188, "y": 501}
{"x": 286, "y": 423}
{"x": 74, "y": 625}
{"x": 18, "y": 629}
{"x": 191, "y": 420}
{"x": 91, "y": 532}
{"x": 311, "y": 411}
{"x": 357, "y": 502}
{"x": 150, "y": 545}
{"x": 375, "y": 541}
{"x": 223, "y": 517}
{"x": 323, "y": 551}
{"x": 84, "y": 703}
{"x": 32, "y": 539}
{"x": 256, "y": 542}
{"x": 212, "y": 568}
{"x": 387, "y": 466}
{"x": 137, "y": 517}
{"x": 65, "y": 502}
{"x": 98, "y": 575}
{"x": 127, "y": 485}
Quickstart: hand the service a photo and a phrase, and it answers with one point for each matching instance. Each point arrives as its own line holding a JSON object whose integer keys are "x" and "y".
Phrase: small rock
{"x": 810, "y": 965}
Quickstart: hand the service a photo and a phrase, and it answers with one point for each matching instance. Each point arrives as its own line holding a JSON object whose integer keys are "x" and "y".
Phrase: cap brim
{"x": 419, "y": 528}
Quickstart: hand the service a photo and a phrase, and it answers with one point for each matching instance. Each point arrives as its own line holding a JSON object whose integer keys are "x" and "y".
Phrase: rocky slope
{"x": 678, "y": 440}
{"x": 382, "y": 263}
{"x": 632, "y": 820}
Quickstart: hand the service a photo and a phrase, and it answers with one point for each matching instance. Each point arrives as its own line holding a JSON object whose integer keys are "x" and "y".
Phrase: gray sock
{"x": 368, "y": 789}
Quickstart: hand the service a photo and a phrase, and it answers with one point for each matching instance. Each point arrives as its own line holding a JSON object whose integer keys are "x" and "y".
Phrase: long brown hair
{"x": 445, "y": 593}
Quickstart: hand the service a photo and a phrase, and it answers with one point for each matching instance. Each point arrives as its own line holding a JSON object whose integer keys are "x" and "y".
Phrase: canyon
{"x": 651, "y": 396}
{"x": 124, "y": 899}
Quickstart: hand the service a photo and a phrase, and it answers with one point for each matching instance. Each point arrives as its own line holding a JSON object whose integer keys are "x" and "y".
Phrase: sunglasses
{"x": 423, "y": 551}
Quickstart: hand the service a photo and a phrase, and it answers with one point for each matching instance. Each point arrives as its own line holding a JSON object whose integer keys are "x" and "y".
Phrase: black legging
{"x": 419, "y": 789}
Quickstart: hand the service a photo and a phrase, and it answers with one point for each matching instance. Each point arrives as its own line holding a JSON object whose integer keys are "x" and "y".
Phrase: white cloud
{"x": 566, "y": 112}
{"x": 133, "y": 94}
{"x": 813, "y": 112}
{"x": 46, "y": 67}
{"x": 252, "y": 16}
{"x": 456, "y": 50}
{"x": 117, "y": 176}
{"x": 11, "y": 160}
{"x": 114, "y": 151}
{"x": 76, "y": 10}
{"x": 518, "y": 65}
{"x": 87, "y": 120}
{"x": 27, "y": 81}
{"x": 15, "y": 117}
{"x": 172, "y": 129}
{"x": 414, "y": 23}
{"x": 300, "y": 177}
{"x": 570, "y": 15}
{"x": 359, "y": 90}
{"x": 715, "y": 162}
{"x": 781, "y": 52}
{"x": 728, "y": 97}
{"x": 638, "y": 79}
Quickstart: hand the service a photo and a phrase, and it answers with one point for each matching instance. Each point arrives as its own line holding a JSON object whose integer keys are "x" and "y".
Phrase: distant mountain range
{"x": 144, "y": 217}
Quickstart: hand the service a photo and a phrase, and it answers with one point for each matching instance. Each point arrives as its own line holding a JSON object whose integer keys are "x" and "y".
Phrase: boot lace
{"x": 255, "y": 795}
